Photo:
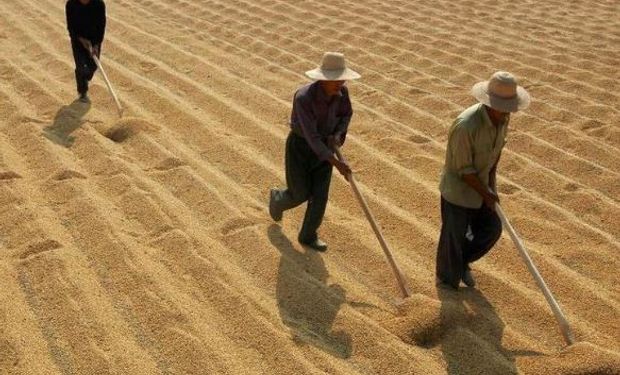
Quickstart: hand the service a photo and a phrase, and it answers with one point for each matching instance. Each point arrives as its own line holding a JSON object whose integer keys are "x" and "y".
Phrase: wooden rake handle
{"x": 119, "y": 107}
{"x": 555, "y": 307}
{"x": 399, "y": 275}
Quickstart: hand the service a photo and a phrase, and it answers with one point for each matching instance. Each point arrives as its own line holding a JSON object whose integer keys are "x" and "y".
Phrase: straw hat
{"x": 502, "y": 93}
{"x": 333, "y": 68}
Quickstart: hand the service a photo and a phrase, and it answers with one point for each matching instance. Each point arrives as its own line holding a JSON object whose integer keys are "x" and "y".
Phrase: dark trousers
{"x": 455, "y": 250}
{"x": 85, "y": 66}
{"x": 307, "y": 179}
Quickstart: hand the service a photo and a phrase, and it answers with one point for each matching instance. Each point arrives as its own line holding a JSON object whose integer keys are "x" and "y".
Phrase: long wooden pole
{"x": 399, "y": 275}
{"x": 555, "y": 307}
{"x": 119, "y": 107}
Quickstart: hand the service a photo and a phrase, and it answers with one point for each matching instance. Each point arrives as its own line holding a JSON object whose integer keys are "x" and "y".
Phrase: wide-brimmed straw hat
{"x": 333, "y": 68}
{"x": 501, "y": 92}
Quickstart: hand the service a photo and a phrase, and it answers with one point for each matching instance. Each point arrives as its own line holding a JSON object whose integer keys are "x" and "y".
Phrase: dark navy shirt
{"x": 86, "y": 21}
{"x": 316, "y": 116}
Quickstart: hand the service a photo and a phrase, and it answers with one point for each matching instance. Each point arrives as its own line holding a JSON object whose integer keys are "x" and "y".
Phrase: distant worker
{"x": 86, "y": 22}
{"x": 319, "y": 120}
{"x": 470, "y": 225}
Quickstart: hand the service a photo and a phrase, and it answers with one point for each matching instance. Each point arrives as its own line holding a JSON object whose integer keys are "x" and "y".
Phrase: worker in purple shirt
{"x": 86, "y": 23}
{"x": 319, "y": 122}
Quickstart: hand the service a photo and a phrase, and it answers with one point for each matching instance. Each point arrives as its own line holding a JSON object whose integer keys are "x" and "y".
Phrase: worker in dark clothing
{"x": 86, "y": 21}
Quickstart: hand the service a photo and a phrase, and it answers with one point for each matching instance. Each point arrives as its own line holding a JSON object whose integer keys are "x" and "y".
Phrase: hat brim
{"x": 332, "y": 75}
{"x": 480, "y": 91}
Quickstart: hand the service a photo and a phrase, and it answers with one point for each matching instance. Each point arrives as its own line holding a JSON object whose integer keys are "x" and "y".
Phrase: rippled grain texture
{"x": 144, "y": 245}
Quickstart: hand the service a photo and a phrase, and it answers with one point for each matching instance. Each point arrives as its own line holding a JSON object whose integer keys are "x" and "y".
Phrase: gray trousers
{"x": 455, "y": 250}
{"x": 307, "y": 179}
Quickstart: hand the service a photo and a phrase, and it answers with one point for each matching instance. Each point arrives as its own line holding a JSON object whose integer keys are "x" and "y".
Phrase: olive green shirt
{"x": 474, "y": 146}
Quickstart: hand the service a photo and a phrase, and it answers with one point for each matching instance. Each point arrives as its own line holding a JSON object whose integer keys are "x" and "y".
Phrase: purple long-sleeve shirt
{"x": 316, "y": 116}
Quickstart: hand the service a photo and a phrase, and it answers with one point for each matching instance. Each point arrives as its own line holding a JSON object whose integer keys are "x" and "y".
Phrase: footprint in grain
{"x": 169, "y": 163}
{"x": 68, "y": 174}
{"x": 9, "y": 175}
{"x": 40, "y": 247}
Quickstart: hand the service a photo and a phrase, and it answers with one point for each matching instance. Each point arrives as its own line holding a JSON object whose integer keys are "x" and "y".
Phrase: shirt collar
{"x": 485, "y": 116}
{"x": 320, "y": 95}
{"x": 487, "y": 120}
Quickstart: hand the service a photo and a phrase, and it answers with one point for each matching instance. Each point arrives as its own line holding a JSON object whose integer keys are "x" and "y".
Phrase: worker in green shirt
{"x": 470, "y": 225}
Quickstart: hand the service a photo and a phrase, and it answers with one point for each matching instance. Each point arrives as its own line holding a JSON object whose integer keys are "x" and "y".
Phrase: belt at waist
{"x": 297, "y": 135}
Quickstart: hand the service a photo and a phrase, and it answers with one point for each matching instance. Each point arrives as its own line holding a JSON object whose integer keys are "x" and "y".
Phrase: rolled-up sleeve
{"x": 308, "y": 123}
{"x": 462, "y": 152}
